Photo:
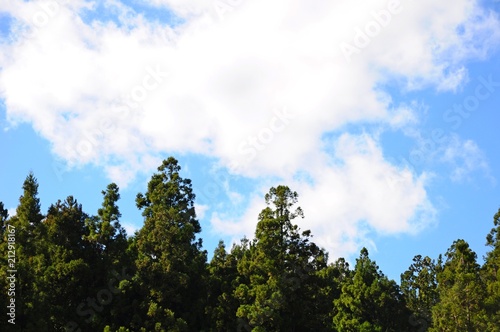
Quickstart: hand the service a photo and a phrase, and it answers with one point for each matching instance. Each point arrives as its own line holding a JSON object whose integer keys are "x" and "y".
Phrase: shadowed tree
{"x": 4, "y": 215}
{"x": 110, "y": 261}
{"x": 67, "y": 279}
{"x": 330, "y": 283}
{"x": 370, "y": 301}
{"x": 223, "y": 280}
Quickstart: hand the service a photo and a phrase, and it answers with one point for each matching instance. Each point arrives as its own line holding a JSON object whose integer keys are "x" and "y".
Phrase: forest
{"x": 71, "y": 270}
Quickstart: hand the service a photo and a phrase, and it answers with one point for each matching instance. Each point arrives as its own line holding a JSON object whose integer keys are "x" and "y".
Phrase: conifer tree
{"x": 419, "y": 287}
{"x": 66, "y": 279}
{"x": 461, "y": 292}
{"x": 4, "y": 215}
{"x": 29, "y": 231}
{"x": 111, "y": 264}
{"x": 330, "y": 281}
{"x": 491, "y": 271}
{"x": 170, "y": 263}
{"x": 223, "y": 280}
{"x": 370, "y": 301}
{"x": 280, "y": 268}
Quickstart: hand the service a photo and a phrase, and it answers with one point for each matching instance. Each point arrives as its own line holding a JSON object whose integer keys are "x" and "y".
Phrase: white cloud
{"x": 12, "y": 212}
{"x": 201, "y": 210}
{"x": 130, "y": 228}
{"x": 118, "y": 95}
{"x": 350, "y": 198}
{"x": 465, "y": 158}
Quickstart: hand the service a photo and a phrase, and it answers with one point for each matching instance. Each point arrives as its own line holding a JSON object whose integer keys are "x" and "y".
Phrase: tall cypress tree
{"x": 109, "y": 259}
{"x": 28, "y": 216}
{"x": 491, "y": 272}
{"x": 281, "y": 267}
{"x": 29, "y": 231}
{"x": 419, "y": 287}
{"x": 171, "y": 264}
{"x": 461, "y": 292}
{"x": 108, "y": 237}
{"x": 67, "y": 279}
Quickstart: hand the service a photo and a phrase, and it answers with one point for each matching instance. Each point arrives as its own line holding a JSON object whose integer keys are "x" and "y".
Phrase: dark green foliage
{"x": 491, "y": 273}
{"x": 223, "y": 278}
{"x": 170, "y": 262}
{"x": 29, "y": 261}
{"x": 80, "y": 272}
{"x": 281, "y": 268}
{"x": 370, "y": 301}
{"x": 4, "y": 215}
{"x": 461, "y": 292}
{"x": 419, "y": 287}
{"x": 330, "y": 281}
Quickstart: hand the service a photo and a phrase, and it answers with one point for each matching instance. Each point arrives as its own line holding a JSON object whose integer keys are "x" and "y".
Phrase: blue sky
{"x": 382, "y": 116}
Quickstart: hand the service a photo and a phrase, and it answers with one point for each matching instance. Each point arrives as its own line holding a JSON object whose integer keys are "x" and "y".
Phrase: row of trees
{"x": 80, "y": 272}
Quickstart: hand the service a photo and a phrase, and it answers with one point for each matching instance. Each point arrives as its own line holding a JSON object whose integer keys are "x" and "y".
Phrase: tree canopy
{"x": 79, "y": 271}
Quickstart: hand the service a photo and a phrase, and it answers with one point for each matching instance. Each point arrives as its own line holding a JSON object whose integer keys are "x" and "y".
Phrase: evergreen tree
{"x": 4, "y": 215}
{"x": 492, "y": 275}
{"x": 330, "y": 281}
{"x": 29, "y": 230}
{"x": 110, "y": 262}
{"x": 66, "y": 279}
{"x": 419, "y": 287}
{"x": 170, "y": 261}
{"x": 106, "y": 234}
{"x": 280, "y": 269}
{"x": 28, "y": 216}
{"x": 223, "y": 279}
{"x": 370, "y": 301}
{"x": 461, "y": 292}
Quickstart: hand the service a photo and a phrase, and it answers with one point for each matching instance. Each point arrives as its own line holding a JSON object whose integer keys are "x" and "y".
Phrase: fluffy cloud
{"x": 255, "y": 84}
{"x": 465, "y": 158}
{"x": 348, "y": 197}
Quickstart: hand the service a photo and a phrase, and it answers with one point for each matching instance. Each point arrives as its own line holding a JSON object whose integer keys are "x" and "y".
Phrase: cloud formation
{"x": 257, "y": 85}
